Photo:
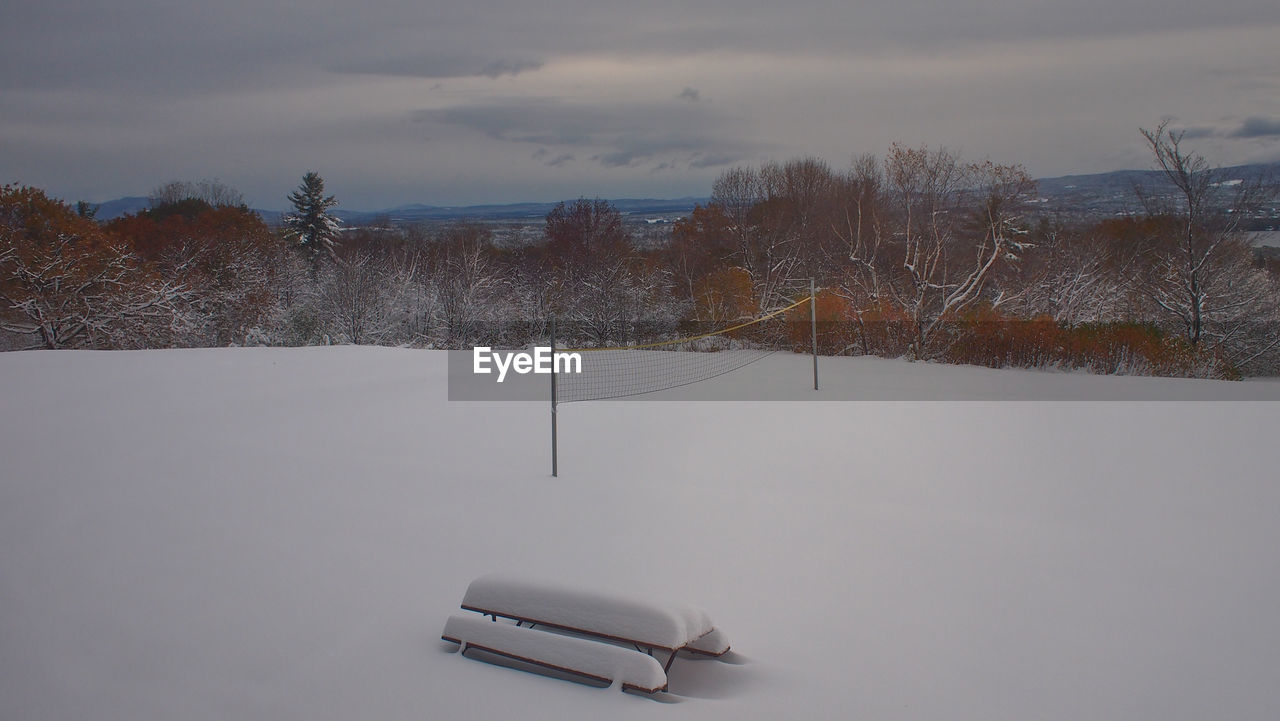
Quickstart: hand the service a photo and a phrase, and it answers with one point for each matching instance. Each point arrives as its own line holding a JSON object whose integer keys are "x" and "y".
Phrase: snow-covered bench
{"x": 647, "y": 627}
{"x": 601, "y": 662}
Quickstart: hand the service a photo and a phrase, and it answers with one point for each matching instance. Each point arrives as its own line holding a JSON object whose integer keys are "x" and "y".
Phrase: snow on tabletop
{"x": 660, "y": 625}
{"x": 621, "y": 665}
{"x": 714, "y": 642}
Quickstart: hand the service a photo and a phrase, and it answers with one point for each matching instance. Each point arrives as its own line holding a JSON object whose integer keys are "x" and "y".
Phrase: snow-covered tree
{"x": 64, "y": 283}
{"x": 225, "y": 257}
{"x": 310, "y": 225}
{"x": 1201, "y": 270}
{"x": 925, "y": 234}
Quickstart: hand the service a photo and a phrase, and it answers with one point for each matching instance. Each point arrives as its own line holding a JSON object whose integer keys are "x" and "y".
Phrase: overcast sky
{"x": 397, "y": 101}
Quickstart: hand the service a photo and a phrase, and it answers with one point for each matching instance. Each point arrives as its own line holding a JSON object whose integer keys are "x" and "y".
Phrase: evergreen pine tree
{"x": 310, "y": 225}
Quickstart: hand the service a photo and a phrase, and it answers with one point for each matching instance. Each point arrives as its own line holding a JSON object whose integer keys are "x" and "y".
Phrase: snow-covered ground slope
{"x": 281, "y": 534}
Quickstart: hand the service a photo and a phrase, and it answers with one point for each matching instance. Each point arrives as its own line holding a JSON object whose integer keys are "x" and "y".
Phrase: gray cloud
{"x": 1253, "y": 127}
{"x": 1200, "y": 131}
{"x": 624, "y": 158}
{"x": 713, "y": 160}
{"x": 498, "y": 68}
{"x": 99, "y": 100}
{"x": 625, "y": 135}
{"x": 439, "y": 65}
{"x": 140, "y": 44}
{"x": 1257, "y": 127}
{"x": 546, "y": 122}
{"x": 557, "y": 161}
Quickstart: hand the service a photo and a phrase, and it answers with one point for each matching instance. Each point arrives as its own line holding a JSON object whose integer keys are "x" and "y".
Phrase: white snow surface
{"x": 628, "y": 618}
{"x": 620, "y": 665}
{"x": 281, "y": 533}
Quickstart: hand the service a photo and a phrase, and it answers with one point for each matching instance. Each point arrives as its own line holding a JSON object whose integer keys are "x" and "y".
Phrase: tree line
{"x": 918, "y": 253}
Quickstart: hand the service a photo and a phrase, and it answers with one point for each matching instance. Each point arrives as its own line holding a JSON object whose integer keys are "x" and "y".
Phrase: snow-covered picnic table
{"x": 614, "y": 637}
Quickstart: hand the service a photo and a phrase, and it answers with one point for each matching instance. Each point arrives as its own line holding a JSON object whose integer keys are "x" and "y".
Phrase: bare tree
{"x": 755, "y": 201}
{"x": 465, "y": 281}
{"x": 698, "y": 245}
{"x": 802, "y": 194}
{"x": 355, "y": 298}
{"x": 1079, "y": 276}
{"x": 214, "y": 192}
{"x": 65, "y": 284}
{"x": 860, "y": 228}
{"x": 1196, "y": 275}
{"x": 924, "y": 235}
{"x": 610, "y": 302}
{"x": 584, "y": 230}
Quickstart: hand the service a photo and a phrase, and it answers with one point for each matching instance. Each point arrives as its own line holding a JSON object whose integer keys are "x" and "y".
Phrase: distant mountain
{"x": 1093, "y": 195}
{"x": 1113, "y": 193}
{"x": 121, "y": 206}
{"x": 1125, "y": 179}
{"x": 417, "y": 213}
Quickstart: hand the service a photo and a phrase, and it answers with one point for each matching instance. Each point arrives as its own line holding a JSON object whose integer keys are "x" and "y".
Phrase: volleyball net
{"x": 632, "y": 370}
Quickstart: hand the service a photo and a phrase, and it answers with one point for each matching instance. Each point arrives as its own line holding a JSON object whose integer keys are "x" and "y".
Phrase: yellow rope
{"x": 690, "y": 339}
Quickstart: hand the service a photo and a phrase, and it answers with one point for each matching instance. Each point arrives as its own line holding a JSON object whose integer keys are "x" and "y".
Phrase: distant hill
{"x": 121, "y": 206}
{"x": 1092, "y": 195}
{"x": 417, "y": 213}
{"x": 1125, "y": 179}
{"x": 1113, "y": 193}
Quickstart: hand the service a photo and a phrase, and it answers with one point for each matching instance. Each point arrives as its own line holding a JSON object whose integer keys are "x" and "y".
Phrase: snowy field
{"x": 281, "y": 534}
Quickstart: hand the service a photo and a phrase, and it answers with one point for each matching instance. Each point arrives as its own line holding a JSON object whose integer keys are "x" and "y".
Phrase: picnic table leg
{"x": 670, "y": 659}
